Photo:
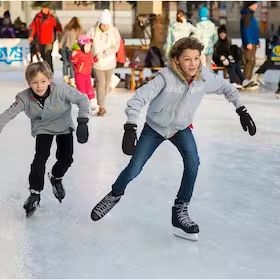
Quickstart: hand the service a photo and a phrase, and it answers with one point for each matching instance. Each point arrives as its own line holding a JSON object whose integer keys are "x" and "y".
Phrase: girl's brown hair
{"x": 183, "y": 44}
{"x": 179, "y": 15}
{"x": 74, "y": 23}
{"x": 33, "y": 69}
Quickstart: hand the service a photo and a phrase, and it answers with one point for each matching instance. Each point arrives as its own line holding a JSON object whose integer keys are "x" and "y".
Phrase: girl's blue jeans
{"x": 147, "y": 144}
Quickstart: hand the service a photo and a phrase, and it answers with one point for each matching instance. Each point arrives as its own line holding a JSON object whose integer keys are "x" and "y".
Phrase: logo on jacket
{"x": 14, "y": 104}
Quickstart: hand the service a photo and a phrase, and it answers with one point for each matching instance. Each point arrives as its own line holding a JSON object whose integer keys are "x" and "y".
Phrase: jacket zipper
{"x": 184, "y": 95}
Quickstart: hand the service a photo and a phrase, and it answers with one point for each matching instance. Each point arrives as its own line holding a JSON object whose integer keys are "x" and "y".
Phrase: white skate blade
{"x": 181, "y": 234}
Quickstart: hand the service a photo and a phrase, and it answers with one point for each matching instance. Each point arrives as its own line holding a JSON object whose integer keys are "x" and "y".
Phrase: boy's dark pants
{"x": 64, "y": 157}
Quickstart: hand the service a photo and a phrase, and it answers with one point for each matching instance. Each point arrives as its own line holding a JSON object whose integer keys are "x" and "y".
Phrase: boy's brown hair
{"x": 34, "y": 68}
{"x": 183, "y": 44}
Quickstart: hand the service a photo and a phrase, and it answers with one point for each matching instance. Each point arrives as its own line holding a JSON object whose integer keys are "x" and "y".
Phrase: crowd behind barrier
{"x": 15, "y": 52}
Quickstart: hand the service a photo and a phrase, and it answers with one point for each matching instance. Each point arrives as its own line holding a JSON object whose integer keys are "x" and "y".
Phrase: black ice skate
{"x": 31, "y": 204}
{"x": 104, "y": 206}
{"x": 183, "y": 226}
{"x": 57, "y": 187}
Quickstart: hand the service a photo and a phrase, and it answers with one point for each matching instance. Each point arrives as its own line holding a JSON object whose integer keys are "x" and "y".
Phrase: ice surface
{"x": 236, "y": 199}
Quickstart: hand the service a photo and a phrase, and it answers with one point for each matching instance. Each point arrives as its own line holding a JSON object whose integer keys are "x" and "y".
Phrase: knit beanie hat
{"x": 222, "y": 29}
{"x": 203, "y": 13}
{"x": 247, "y": 4}
{"x": 106, "y": 17}
{"x": 84, "y": 39}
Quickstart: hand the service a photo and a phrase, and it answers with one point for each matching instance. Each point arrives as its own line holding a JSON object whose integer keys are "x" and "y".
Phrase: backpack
{"x": 237, "y": 53}
{"x": 120, "y": 55}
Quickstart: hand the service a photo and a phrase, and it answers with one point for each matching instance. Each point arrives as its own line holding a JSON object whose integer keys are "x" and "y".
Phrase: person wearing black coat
{"x": 225, "y": 54}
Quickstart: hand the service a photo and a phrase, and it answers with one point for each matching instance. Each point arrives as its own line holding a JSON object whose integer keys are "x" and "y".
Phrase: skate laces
{"x": 106, "y": 204}
{"x": 183, "y": 215}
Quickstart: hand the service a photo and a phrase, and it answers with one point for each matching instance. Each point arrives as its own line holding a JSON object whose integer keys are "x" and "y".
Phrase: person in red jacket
{"x": 44, "y": 27}
{"x": 83, "y": 60}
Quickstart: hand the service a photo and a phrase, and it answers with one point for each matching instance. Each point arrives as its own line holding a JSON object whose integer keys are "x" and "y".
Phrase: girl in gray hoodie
{"x": 48, "y": 106}
{"x": 173, "y": 97}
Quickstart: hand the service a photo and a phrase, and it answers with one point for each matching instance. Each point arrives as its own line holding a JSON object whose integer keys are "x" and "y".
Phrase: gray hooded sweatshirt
{"x": 55, "y": 117}
{"x": 173, "y": 102}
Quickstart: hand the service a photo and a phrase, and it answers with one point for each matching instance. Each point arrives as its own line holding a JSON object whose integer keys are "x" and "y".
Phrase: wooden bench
{"x": 216, "y": 69}
{"x": 137, "y": 74}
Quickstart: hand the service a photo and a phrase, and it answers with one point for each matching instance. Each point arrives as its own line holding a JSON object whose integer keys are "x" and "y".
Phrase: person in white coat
{"x": 106, "y": 42}
{"x": 177, "y": 30}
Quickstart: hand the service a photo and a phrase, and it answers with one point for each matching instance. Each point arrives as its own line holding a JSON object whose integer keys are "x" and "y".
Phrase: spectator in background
{"x": 207, "y": 35}
{"x": 20, "y": 28}
{"x": 7, "y": 29}
{"x": 83, "y": 61}
{"x": 177, "y": 30}
{"x": 225, "y": 56}
{"x": 106, "y": 43}
{"x": 250, "y": 36}
{"x": 71, "y": 32}
{"x": 17, "y": 22}
{"x": 22, "y": 31}
{"x": 6, "y": 18}
{"x": 269, "y": 63}
{"x": 45, "y": 26}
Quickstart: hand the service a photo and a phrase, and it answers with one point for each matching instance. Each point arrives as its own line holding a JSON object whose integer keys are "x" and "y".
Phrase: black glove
{"x": 82, "y": 130}
{"x": 129, "y": 139}
{"x": 60, "y": 52}
{"x": 246, "y": 120}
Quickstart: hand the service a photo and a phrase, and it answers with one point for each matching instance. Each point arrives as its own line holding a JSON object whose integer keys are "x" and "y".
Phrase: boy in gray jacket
{"x": 173, "y": 97}
{"x": 48, "y": 106}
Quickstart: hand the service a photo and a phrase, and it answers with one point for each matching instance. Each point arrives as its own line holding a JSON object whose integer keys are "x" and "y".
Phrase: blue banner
{"x": 14, "y": 52}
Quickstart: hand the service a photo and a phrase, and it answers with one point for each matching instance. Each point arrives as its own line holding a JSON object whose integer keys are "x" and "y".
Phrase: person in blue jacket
{"x": 249, "y": 30}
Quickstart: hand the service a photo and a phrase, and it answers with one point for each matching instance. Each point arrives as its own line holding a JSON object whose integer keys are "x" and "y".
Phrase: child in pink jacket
{"x": 83, "y": 61}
